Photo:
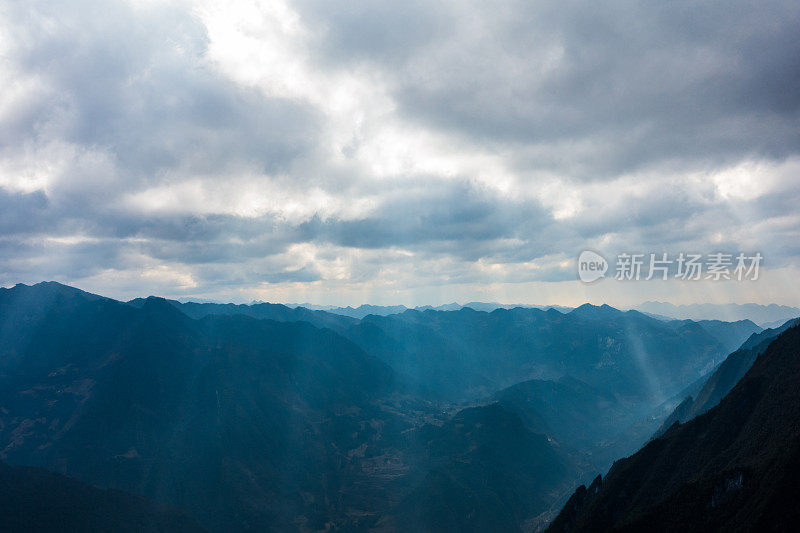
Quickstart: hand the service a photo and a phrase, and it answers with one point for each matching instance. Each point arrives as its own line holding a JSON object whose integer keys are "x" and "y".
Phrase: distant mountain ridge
{"x": 384, "y": 310}
{"x": 763, "y": 315}
{"x": 766, "y": 316}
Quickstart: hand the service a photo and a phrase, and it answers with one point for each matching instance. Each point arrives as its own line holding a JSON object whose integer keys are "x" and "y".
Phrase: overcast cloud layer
{"x": 410, "y": 152}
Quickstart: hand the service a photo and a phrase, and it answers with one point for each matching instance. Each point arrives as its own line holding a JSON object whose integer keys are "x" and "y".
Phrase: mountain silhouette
{"x": 35, "y": 500}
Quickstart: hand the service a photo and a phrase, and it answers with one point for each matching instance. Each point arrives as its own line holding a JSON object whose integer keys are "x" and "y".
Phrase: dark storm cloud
{"x": 433, "y": 211}
{"x": 601, "y": 88}
{"x": 21, "y": 213}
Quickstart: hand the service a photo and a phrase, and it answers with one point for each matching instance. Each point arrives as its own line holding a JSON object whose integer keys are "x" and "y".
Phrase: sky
{"x": 407, "y": 152}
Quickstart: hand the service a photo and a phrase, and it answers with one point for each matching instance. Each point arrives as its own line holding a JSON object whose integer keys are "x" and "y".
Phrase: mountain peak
{"x": 155, "y": 305}
{"x": 588, "y": 310}
{"x": 49, "y": 289}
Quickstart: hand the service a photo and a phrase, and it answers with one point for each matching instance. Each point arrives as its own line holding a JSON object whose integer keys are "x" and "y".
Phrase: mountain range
{"x": 384, "y": 310}
{"x": 272, "y": 418}
{"x": 766, "y": 316}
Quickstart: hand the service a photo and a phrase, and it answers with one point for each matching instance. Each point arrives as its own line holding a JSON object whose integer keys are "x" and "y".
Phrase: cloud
{"x": 381, "y": 148}
{"x": 595, "y": 90}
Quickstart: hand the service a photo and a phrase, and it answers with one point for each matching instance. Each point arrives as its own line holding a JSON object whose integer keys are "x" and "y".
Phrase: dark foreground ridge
{"x": 32, "y": 500}
{"x": 734, "y": 468}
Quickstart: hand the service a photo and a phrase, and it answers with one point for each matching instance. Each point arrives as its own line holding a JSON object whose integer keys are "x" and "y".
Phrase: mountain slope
{"x": 592, "y": 425}
{"x": 568, "y": 410}
{"x": 734, "y": 468}
{"x": 724, "y": 378}
{"x": 487, "y": 472}
{"x": 730, "y": 334}
{"x": 35, "y": 500}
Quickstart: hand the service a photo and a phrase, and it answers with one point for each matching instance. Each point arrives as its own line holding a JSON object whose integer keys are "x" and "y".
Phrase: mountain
{"x": 384, "y": 310}
{"x": 454, "y": 354}
{"x": 729, "y": 334}
{"x": 567, "y": 410}
{"x": 363, "y": 310}
{"x": 252, "y": 423}
{"x": 487, "y": 473}
{"x": 467, "y": 354}
{"x": 594, "y": 426}
{"x": 763, "y": 315}
{"x": 264, "y": 417}
{"x": 724, "y": 378}
{"x": 774, "y": 324}
{"x": 244, "y": 423}
{"x": 491, "y": 306}
{"x": 263, "y": 311}
{"x": 35, "y": 500}
{"x": 733, "y": 468}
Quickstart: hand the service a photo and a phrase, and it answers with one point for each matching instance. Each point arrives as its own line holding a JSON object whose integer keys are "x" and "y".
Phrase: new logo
{"x": 591, "y": 266}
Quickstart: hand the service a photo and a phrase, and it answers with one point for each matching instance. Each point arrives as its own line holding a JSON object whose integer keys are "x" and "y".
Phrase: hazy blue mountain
{"x": 468, "y": 354}
{"x": 384, "y": 310}
{"x": 267, "y": 311}
{"x": 733, "y": 468}
{"x": 35, "y": 500}
{"x": 730, "y": 334}
{"x": 363, "y": 310}
{"x": 763, "y": 315}
{"x": 491, "y": 306}
{"x": 454, "y": 306}
{"x": 774, "y": 324}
